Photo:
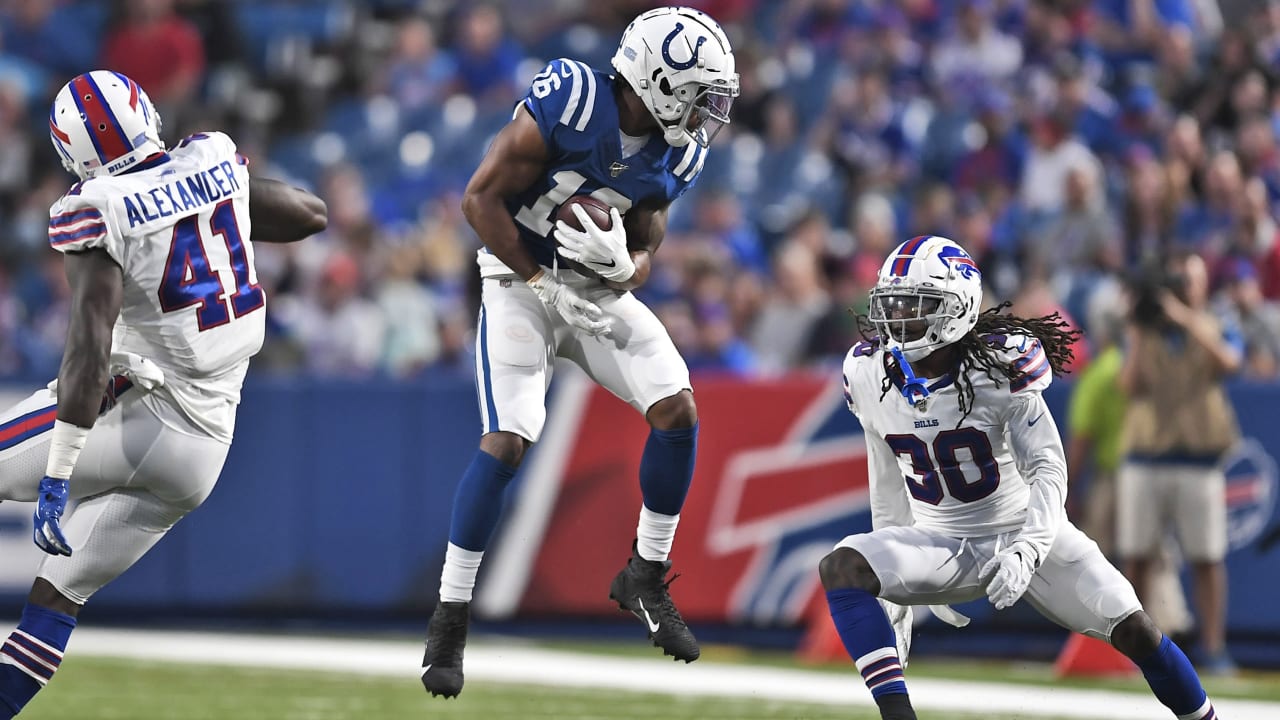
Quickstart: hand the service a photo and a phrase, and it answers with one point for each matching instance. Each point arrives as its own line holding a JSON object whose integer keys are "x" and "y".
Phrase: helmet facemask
{"x": 704, "y": 111}
{"x": 917, "y": 320}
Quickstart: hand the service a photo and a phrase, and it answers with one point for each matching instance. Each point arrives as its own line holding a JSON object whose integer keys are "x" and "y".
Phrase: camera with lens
{"x": 1145, "y": 287}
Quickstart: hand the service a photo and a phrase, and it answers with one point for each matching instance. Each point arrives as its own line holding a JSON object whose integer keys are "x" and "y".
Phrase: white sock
{"x": 654, "y": 534}
{"x": 458, "y": 578}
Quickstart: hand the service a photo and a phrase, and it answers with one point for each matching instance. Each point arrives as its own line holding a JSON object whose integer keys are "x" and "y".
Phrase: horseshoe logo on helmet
{"x": 666, "y": 49}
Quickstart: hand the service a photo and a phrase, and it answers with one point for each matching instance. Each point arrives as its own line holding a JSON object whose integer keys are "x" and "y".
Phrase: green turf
{"x": 103, "y": 689}
{"x": 1249, "y": 685}
{"x": 1253, "y": 685}
{"x": 92, "y": 688}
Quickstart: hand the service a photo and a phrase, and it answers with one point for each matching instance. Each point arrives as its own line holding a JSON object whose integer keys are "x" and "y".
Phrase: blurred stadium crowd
{"x": 1063, "y": 142}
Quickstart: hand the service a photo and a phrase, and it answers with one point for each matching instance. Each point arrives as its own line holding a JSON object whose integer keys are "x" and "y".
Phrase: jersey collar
{"x": 153, "y": 160}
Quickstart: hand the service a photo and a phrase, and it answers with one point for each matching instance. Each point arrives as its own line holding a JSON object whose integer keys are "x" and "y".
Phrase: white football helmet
{"x": 679, "y": 62}
{"x": 928, "y": 295}
{"x": 103, "y": 123}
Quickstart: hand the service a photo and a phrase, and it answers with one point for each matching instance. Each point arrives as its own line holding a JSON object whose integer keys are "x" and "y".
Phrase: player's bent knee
{"x": 45, "y": 595}
{"x": 675, "y": 412}
{"x": 1136, "y": 636}
{"x": 845, "y": 567}
{"x": 508, "y": 448}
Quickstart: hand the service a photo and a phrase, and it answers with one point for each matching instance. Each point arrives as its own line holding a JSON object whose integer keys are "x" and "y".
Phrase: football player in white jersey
{"x": 165, "y": 313}
{"x": 968, "y": 483}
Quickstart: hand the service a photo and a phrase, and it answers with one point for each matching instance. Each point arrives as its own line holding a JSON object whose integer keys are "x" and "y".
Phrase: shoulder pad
{"x": 213, "y": 143}
{"x": 1026, "y": 357}
{"x": 688, "y": 166}
{"x": 564, "y": 95}
{"x": 864, "y": 348}
{"x": 79, "y": 220}
{"x": 860, "y": 360}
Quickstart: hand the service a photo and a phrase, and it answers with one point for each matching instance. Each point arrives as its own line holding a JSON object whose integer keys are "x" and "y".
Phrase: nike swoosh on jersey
{"x": 611, "y": 263}
{"x": 1033, "y": 422}
{"x": 653, "y": 626}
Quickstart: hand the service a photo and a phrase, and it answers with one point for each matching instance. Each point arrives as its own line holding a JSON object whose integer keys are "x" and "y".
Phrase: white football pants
{"x": 143, "y": 468}
{"x": 1075, "y": 586}
{"x": 518, "y": 339}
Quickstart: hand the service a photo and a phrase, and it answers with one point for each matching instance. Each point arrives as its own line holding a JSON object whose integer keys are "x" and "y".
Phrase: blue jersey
{"x": 577, "y": 114}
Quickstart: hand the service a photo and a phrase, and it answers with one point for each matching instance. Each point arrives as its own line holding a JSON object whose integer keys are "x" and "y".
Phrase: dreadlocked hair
{"x": 978, "y": 352}
{"x": 980, "y": 347}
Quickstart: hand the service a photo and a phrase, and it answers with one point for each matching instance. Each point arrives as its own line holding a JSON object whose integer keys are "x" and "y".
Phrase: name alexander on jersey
{"x": 178, "y": 196}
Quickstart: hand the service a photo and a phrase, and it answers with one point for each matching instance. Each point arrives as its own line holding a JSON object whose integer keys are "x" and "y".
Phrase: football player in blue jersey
{"x": 635, "y": 140}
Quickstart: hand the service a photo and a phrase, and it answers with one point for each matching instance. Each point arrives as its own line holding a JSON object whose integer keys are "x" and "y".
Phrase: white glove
{"x": 949, "y": 616}
{"x": 143, "y": 373}
{"x": 1009, "y": 573}
{"x": 140, "y": 371}
{"x": 603, "y": 251}
{"x": 582, "y": 314}
{"x": 901, "y": 618}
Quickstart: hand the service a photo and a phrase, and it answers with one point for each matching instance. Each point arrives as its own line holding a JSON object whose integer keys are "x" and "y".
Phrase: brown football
{"x": 597, "y": 210}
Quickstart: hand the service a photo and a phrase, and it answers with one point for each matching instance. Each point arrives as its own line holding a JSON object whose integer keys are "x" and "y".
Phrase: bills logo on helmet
{"x": 960, "y": 260}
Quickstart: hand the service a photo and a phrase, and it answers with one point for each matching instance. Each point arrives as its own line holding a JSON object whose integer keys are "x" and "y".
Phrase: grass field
{"x": 1247, "y": 684}
{"x": 157, "y": 675}
{"x": 108, "y": 689}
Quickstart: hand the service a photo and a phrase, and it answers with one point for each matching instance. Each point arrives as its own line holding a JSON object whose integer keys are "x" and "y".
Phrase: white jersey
{"x": 962, "y": 476}
{"x": 179, "y": 229}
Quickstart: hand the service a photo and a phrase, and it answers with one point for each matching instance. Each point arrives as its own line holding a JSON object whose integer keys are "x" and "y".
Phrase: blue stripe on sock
{"x": 34, "y": 649}
{"x": 1173, "y": 679}
{"x": 879, "y": 665}
{"x": 21, "y": 658}
{"x": 897, "y": 687}
{"x": 864, "y": 629}
{"x": 49, "y": 627}
{"x": 477, "y": 505}
{"x": 666, "y": 468}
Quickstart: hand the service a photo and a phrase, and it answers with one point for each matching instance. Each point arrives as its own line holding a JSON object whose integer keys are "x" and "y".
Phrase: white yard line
{"x": 490, "y": 662}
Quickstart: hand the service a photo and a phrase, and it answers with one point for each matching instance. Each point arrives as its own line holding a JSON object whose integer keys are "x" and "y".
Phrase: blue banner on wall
{"x": 336, "y": 497}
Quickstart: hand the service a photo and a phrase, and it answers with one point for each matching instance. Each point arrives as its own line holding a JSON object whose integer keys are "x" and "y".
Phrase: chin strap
{"x": 913, "y": 388}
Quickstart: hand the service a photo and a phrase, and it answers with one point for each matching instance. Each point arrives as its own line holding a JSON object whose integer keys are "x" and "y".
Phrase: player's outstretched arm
{"x": 282, "y": 214}
{"x": 97, "y": 289}
{"x": 514, "y": 162}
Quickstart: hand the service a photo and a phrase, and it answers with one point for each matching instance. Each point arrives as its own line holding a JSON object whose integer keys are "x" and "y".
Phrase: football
{"x": 597, "y": 210}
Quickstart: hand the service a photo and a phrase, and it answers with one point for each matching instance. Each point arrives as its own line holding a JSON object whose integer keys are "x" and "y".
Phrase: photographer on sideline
{"x": 1177, "y": 427}
{"x": 1095, "y": 449}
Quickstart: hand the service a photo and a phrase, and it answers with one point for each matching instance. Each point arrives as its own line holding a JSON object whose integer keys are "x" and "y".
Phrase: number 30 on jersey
{"x": 926, "y": 485}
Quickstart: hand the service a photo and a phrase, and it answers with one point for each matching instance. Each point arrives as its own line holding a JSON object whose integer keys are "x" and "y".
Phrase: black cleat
{"x": 895, "y": 707}
{"x": 640, "y": 588}
{"x": 446, "y": 639}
